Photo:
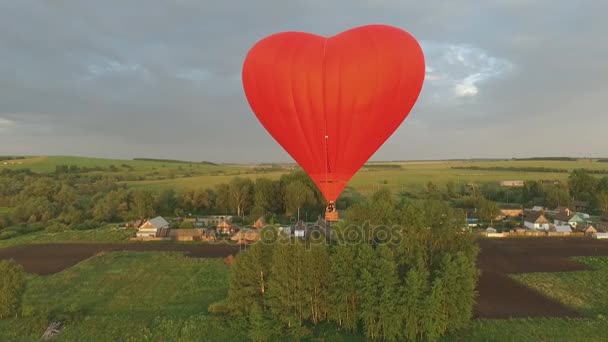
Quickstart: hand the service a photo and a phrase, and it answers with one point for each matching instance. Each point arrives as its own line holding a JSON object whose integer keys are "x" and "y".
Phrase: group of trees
{"x": 12, "y": 284}
{"x": 393, "y": 270}
{"x": 66, "y": 198}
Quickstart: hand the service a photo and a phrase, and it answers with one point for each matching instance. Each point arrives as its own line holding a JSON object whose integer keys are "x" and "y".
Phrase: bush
{"x": 12, "y": 284}
{"x": 186, "y": 225}
{"x": 56, "y": 227}
{"x": 87, "y": 225}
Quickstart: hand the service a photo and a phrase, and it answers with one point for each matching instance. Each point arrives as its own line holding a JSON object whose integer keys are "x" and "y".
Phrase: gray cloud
{"x": 139, "y": 78}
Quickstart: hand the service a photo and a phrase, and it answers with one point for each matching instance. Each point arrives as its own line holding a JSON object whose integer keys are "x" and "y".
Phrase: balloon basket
{"x": 331, "y": 216}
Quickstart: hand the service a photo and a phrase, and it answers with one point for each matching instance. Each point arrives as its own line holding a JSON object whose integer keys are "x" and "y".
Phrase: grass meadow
{"x": 103, "y": 234}
{"x": 400, "y": 176}
{"x": 132, "y": 296}
{"x": 154, "y": 296}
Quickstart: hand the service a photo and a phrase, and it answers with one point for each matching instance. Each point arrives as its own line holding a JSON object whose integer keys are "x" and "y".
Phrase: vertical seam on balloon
{"x": 374, "y": 47}
{"x": 295, "y": 108}
{"x": 397, "y": 91}
{"x": 324, "y": 61}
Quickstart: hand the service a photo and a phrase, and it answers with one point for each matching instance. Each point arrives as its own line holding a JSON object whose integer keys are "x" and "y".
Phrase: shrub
{"x": 12, "y": 283}
{"x": 186, "y": 225}
{"x": 56, "y": 227}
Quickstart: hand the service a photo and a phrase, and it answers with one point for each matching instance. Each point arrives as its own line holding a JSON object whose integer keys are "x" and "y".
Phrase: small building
{"x": 600, "y": 236}
{"x": 260, "y": 223}
{"x": 538, "y": 208}
{"x": 214, "y": 220}
{"x": 156, "y": 227}
{"x": 586, "y": 228}
{"x": 536, "y": 220}
{"x": 571, "y": 219}
{"x": 512, "y": 183}
{"x": 197, "y": 234}
{"x": 225, "y": 227}
{"x": 472, "y": 222}
{"x": 511, "y": 213}
{"x": 299, "y": 229}
{"x": 246, "y": 235}
{"x": 562, "y": 229}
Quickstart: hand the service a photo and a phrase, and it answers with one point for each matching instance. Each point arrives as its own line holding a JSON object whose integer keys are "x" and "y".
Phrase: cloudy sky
{"x": 126, "y": 78}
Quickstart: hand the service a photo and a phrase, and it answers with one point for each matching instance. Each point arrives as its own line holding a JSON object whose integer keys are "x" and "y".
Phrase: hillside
{"x": 398, "y": 176}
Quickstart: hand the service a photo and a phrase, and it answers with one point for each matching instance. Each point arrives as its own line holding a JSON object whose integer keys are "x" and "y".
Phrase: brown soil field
{"x": 502, "y": 297}
{"x": 499, "y": 295}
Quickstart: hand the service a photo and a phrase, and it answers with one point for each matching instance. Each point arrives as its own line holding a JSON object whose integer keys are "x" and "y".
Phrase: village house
{"x": 586, "y": 228}
{"x": 192, "y": 235}
{"x": 214, "y": 220}
{"x": 246, "y": 235}
{"x": 156, "y": 227}
{"x": 563, "y": 230}
{"x": 259, "y": 223}
{"x": 536, "y": 220}
{"x": 299, "y": 229}
{"x": 225, "y": 227}
{"x": 512, "y": 183}
{"x": 568, "y": 218}
{"x": 511, "y": 213}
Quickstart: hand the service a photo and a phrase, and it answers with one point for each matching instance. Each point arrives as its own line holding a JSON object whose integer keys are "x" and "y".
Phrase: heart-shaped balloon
{"x": 332, "y": 102}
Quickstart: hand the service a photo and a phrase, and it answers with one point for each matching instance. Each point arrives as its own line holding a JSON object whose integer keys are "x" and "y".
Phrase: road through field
{"x": 500, "y": 296}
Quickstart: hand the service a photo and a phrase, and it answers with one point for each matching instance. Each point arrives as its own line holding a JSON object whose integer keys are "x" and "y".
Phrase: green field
{"x": 143, "y": 296}
{"x": 5, "y": 210}
{"x": 397, "y": 176}
{"x": 584, "y": 291}
{"x": 44, "y": 164}
{"x": 103, "y": 234}
{"x": 131, "y": 296}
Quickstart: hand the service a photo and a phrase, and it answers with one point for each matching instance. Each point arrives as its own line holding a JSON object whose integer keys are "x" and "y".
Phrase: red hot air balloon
{"x": 332, "y": 102}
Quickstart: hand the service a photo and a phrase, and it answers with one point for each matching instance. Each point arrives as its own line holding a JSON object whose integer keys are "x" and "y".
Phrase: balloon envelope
{"x": 331, "y": 102}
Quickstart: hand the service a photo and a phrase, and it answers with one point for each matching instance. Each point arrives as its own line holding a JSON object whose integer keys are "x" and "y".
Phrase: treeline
{"x": 513, "y": 168}
{"x": 60, "y": 201}
{"x": 393, "y": 272}
{"x": 381, "y": 166}
{"x": 174, "y": 161}
{"x": 525, "y": 169}
{"x": 11, "y": 157}
{"x": 548, "y": 158}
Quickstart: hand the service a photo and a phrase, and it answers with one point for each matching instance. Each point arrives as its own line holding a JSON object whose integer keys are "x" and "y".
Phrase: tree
{"x": 167, "y": 202}
{"x": 387, "y": 276}
{"x": 317, "y": 279}
{"x": 343, "y": 289}
{"x": 487, "y": 210}
{"x": 241, "y": 194}
{"x": 414, "y": 296}
{"x": 267, "y": 195}
{"x": 248, "y": 282}
{"x": 581, "y": 183}
{"x": 186, "y": 225}
{"x": 451, "y": 189}
{"x": 261, "y": 326}
{"x": 223, "y": 200}
{"x": 602, "y": 201}
{"x": 557, "y": 196}
{"x": 142, "y": 204}
{"x": 367, "y": 291}
{"x": 532, "y": 190}
{"x": 12, "y": 284}
{"x": 197, "y": 200}
{"x": 297, "y": 195}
